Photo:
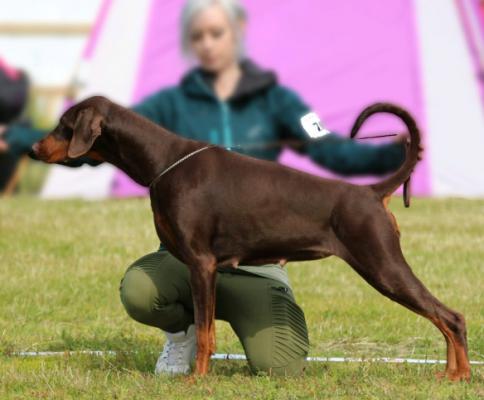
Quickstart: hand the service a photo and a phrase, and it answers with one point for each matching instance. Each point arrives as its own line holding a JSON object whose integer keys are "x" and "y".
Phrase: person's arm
{"x": 341, "y": 155}
{"x": 20, "y": 138}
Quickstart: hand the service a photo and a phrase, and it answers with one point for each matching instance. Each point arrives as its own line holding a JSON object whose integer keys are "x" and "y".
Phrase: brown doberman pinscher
{"x": 213, "y": 207}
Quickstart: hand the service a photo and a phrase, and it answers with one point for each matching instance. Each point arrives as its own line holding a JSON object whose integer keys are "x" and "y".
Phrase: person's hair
{"x": 234, "y": 9}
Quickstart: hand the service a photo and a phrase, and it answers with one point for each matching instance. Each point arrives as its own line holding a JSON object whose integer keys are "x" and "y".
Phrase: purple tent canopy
{"x": 340, "y": 56}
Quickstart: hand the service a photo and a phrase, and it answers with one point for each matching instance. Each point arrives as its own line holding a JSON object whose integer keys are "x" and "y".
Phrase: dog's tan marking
{"x": 53, "y": 150}
{"x": 458, "y": 367}
{"x": 393, "y": 220}
{"x": 94, "y": 155}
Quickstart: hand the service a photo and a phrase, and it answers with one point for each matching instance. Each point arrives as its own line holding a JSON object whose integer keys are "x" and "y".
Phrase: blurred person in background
{"x": 230, "y": 101}
{"x": 14, "y": 88}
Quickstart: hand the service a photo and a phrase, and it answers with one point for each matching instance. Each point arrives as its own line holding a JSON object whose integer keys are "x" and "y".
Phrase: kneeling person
{"x": 257, "y": 302}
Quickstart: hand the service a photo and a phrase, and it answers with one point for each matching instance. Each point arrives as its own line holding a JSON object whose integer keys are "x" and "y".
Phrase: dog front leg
{"x": 202, "y": 279}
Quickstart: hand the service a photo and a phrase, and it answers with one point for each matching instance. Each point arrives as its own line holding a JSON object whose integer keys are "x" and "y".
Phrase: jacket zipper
{"x": 226, "y": 129}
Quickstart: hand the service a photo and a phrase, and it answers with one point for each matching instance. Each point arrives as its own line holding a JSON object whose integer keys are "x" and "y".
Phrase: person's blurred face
{"x": 213, "y": 39}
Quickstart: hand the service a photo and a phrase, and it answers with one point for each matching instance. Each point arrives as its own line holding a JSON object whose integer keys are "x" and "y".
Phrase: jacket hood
{"x": 198, "y": 82}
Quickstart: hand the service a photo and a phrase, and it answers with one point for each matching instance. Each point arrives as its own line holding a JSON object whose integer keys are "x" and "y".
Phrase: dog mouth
{"x": 40, "y": 153}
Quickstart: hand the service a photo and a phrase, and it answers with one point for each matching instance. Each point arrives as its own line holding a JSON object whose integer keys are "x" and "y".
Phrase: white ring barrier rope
{"x": 219, "y": 356}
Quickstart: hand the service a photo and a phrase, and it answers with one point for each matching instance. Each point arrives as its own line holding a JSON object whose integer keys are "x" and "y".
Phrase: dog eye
{"x": 67, "y": 132}
{"x": 63, "y": 132}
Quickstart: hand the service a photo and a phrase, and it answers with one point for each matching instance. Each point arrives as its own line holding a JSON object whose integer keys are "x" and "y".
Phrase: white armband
{"x": 312, "y": 125}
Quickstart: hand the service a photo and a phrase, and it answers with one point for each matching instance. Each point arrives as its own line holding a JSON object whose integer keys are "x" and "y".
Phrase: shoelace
{"x": 173, "y": 353}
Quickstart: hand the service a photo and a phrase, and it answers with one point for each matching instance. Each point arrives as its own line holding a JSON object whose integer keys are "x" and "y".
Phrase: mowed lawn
{"x": 60, "y": 267}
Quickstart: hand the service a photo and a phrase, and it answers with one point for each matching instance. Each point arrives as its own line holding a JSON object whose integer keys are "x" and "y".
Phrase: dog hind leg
{"x": 379, "y": 260}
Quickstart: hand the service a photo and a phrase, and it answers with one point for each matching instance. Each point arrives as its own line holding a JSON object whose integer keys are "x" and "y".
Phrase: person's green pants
{"x": 263, "y": 313}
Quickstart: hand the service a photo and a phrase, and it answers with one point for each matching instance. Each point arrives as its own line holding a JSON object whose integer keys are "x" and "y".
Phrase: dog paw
{"x": 454, "y": 375}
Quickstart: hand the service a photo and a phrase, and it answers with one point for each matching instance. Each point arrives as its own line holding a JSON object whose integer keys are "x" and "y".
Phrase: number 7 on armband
{"x": 311, "y": 123}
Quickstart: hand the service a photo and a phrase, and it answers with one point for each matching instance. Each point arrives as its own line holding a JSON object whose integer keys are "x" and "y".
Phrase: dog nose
{"x": 34, "y": 152}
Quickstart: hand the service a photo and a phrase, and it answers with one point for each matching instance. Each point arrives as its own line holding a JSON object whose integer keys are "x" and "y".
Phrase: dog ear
{"x": 87, "y": 129}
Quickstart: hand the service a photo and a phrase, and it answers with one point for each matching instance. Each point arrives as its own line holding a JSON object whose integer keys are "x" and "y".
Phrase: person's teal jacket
{"x": 260, "y": 114}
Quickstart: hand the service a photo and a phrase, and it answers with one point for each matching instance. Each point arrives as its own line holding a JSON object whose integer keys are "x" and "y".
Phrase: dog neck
{"x": 139, "y": 147}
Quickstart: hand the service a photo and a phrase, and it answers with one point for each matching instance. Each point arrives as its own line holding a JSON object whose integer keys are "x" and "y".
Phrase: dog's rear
{"x": 369, "y": 236}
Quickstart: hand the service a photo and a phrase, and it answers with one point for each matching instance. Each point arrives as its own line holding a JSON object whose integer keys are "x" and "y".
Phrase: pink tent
{"x": 425, "y": 55}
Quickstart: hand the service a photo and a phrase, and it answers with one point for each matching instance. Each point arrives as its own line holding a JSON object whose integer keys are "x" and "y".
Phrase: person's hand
{"x": 3, "y": 143}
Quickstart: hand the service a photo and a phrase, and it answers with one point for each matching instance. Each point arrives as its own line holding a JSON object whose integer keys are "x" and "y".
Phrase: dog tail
{"x": 402, "y": 175}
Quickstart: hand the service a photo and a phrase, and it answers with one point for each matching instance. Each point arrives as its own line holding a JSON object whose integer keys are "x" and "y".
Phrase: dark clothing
{"x": 14, "y": 88}
{"x": 259, "y": 112}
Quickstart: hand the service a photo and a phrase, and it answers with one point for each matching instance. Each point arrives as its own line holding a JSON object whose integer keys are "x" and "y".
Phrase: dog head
{"x": 75, "y": 135}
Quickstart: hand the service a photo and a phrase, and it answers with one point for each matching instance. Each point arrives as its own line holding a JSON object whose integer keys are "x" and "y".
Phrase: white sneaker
{"x": 180, "y": 349}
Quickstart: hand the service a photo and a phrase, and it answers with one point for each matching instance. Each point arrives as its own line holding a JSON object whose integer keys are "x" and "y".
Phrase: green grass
{"x": 60, "y": 267}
